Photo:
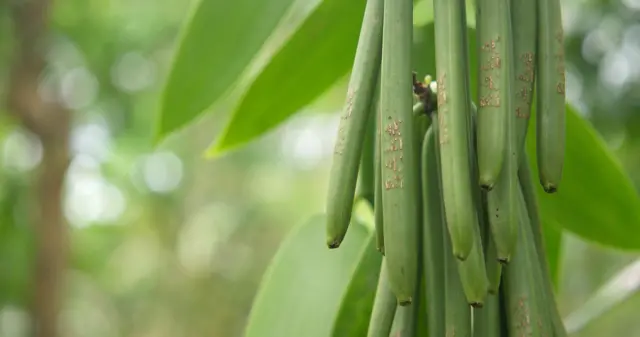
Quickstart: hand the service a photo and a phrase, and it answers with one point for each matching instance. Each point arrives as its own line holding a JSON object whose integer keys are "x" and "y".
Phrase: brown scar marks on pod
{"x": 397, "y": 181}
{"x": 443, "y": 109}
{"x": 339, "y": 146}
{"x": 346, "y": 114}
{"x": 392, "y": 164}
{"x": 489, "y": 83}
{"x": 451, "y": 332}
{"x": 525, "y": 94}
{"x": 522, "y": 113}
{"x": 442, "y": 90}
{"x": 490, "y": 100}
{"x": 527, "y": 77}
{"x": 491, "y": 45}
{"x": 528, "y": 58}
{"x": 522, "y": 317}
{"x": 393, "y": 129}
{"x": 491, "y": 68}
{"x": 442, "y": 127}
{"x": 495, "y": 60}
{"x": 351, "y": 93}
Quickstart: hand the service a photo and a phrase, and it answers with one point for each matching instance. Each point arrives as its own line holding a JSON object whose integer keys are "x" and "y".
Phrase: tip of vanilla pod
{"x": 486, "y": 187}
{"x": 404, "y": 302}
{"x": 550, "y": 188}
{"x": 333, "y": 244}
{"x": 460, "y": 256}
{"x": 477, "y": 305}
{"x": 504, "y": 260}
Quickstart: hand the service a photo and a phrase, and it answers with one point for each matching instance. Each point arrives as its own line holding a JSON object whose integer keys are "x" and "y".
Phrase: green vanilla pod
{"x": 550, "y": 95}
{"x": 454, "y": 108}
{"x": 353, "y": 123}
{"x": 400, "y": 158}
{"x": 495, "y": 80}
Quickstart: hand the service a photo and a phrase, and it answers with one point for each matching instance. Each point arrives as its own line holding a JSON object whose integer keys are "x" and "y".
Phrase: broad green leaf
{"x": 327, "y": 40}
{"x": 217, "y": 43}
{"x": 552, "y": 236}
{"x": 357, "y": 304}
{"x": 319, "y": 53}
{"x": 596, "y": 199}
{"x": 302, "y": 291}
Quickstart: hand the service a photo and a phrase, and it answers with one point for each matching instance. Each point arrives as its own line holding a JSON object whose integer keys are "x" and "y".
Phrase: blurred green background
{"x": 167, "y": 243}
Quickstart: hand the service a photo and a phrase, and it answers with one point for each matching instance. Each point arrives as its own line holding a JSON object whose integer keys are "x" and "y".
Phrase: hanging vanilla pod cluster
{"x": 456, "y": 215}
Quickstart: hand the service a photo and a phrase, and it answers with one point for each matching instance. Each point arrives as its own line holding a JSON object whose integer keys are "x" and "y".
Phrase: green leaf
{"x": 552, "y": 236}
{"x": 306, "y": 282}
{"x": 596, "y": 199}
{"x": 315, "y": 57}
{"x": 319, "y": 53}
{"x": 217, "y": 43}
{"x": 357, "y": 304}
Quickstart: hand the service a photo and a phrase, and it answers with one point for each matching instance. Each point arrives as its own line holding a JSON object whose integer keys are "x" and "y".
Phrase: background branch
{"x": 50, "y": 122}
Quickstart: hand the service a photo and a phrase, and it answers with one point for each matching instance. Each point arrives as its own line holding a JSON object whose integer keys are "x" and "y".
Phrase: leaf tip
{"x": 158, "y": 137}
{"x": 216, "y": 151}
{"x": 159, "y": 128}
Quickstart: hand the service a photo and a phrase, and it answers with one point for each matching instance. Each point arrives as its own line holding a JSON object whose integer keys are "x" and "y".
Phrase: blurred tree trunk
{"x": 50, "y": 122}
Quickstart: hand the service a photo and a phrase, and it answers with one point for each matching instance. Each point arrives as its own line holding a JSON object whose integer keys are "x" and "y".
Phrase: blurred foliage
{"x": 166, "y": 243}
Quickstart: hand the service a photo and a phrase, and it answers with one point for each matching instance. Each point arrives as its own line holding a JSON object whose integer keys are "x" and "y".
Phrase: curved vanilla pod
{"x": 384, "y": 306}
{"x": 498, "y": 81}
{"x": 495, "y": 80}
{"x": 353, "y": 122}
{"x": 454, "y": 107}
{"x": 550, "y": 94}
{"x": 493, "y": 267}
{"x": 473, "y": 270}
